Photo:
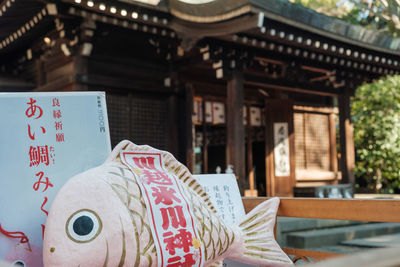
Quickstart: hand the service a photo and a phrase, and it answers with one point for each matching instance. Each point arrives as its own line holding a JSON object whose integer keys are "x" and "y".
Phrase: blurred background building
{"x": 263, "y": 86}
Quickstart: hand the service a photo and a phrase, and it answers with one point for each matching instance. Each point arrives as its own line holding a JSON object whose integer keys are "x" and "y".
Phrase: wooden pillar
{"x": 250, "y": 173}
{"x": 205, "y": 142}
{"x": 189, "y": 92}
{"x": 173, "y": 127}
{"x": 235, "y": 147}
{"x": 332, "y": 145}
{"x": 347, "y": 159}
{"x": 81, "y": 67}
{"x": 251, "y": 192}
{"x": 130, "y": 117}
{"x": 40, "y": 72}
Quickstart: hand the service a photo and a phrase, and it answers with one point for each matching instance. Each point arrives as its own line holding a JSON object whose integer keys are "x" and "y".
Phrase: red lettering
{"x": 37, "y": 155}
{"x": 44, "y": 203}
{"x": 32, "y": 135}
{"x": 175, "y": 214}
{"x": 157, "y": 177}
{"x": 56, "y": 102}
{"x": 60, "y": 137}
{"x": 165, "y": 195}
{"x": 46, "y": 183}
{"x": 58, "y": 125}
{"x": 182, "y": 240}
{"x": 175, "y": 261}
{"x": 144, "y": 163}
{"x": 56, "y": 114}
{"x": 31, "y": 111}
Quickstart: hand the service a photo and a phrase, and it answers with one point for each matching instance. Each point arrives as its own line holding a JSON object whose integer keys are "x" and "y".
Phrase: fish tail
{"x": 257, "y": 245}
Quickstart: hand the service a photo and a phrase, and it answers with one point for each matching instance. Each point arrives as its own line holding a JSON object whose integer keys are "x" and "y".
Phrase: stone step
{"x": 333, "y": 236}
{"x": 286, "y": 225}
{"x": 341, "y": 249}
{"x": 374, "y": 242}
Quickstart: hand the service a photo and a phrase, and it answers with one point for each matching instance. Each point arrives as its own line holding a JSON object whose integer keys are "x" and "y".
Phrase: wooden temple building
{"x": 264, "y": 86}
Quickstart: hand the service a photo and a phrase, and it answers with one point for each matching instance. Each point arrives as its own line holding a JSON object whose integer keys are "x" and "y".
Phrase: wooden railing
{"x": 334, "y": 209}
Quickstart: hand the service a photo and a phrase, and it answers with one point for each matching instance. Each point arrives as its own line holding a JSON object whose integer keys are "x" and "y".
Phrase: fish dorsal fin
{"x": 170, "y": 164}
{"x": 114, "y": 155}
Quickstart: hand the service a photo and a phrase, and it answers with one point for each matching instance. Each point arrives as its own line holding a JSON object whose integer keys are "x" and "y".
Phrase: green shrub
{"x": 376, "y": 116}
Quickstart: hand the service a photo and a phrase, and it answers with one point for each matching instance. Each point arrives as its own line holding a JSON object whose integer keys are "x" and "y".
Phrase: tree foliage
{"x": 382, "y": 15}
{"x": 376, "y": 116}
{"x": 332, "y": 8}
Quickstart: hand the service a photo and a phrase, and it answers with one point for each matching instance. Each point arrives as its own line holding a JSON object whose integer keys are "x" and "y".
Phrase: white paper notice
{"x": 281, "y": 149}
{"x": 225, "y": 195}
{"x": 45, "y": 139}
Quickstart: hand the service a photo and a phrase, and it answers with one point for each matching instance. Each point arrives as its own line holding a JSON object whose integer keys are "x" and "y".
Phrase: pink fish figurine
{"x": 99, "y": 218}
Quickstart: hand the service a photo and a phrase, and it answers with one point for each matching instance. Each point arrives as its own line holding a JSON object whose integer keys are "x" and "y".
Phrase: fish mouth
{"x": 123, "y": 253}
{"x": 106, "y": 259}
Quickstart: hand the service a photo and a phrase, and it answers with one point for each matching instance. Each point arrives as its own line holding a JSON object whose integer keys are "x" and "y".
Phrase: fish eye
{"x": 19, "y": 263}
{"x": 83, "y": 226}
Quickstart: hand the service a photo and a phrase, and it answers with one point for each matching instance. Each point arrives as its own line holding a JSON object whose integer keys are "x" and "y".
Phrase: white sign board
{"x": 225, "y": 195}
{"x": 281, "y": 149}
{"x": 45, "y": 139}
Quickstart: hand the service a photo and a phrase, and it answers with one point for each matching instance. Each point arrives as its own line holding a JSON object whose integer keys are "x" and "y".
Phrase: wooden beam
{"x": 235, "y": 148}
{"x": 334, "y": 209}
{"x": 111, "y": 82}
{"x": 347, "y": 154}
{"x": 314, "y": 69}
{"x": 57, "y": 85}
{"x": 291, "y": 89}
{"x": 309, "y": 253}
{"x": 118, "y": 66}
{"x": 273, "y": 61}
{"x": 322, "y": 110}
{"x": 320, "y": 78}
{"x": 307, "y": 175}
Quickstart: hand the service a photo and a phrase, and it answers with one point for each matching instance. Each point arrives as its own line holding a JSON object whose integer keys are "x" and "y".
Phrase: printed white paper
{"x": 45, "y": 139}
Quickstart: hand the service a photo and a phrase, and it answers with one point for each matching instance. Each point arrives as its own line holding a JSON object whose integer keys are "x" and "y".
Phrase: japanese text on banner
{"x": 172, "y": 222}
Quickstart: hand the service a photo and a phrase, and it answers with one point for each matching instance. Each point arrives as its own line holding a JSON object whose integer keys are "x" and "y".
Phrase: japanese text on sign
{"x": 41, "y": 155}
{"x": 224, "y": 194}
{"x": 281, "y": 149}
